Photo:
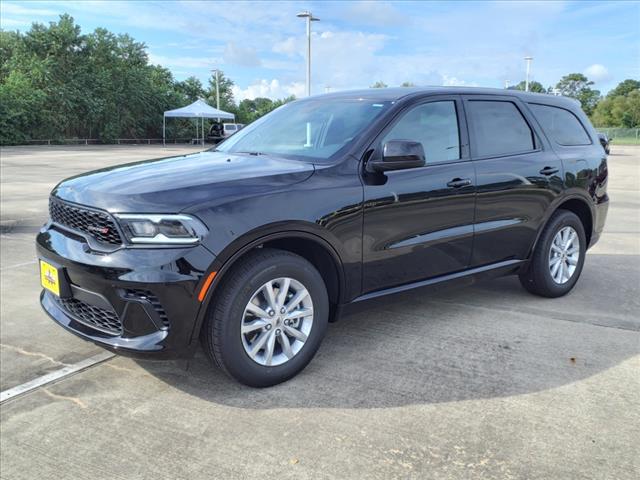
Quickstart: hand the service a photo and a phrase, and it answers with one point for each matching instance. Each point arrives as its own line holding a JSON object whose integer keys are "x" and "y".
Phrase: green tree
{"x": 407, "y": 84}
{"x": 624, "y": 88}
{"x": 379, "y": 84}
{"x": 621, "y": 106}
{"x": 250, "y": 110}
{"x": 534, "y": 86}
{"x": 57, "y": 82}
{"x": 20, "y": 108}
{"x": 226, "y": 92}
{"x": 576, "y": 85}
{"x": 191, "y": 88}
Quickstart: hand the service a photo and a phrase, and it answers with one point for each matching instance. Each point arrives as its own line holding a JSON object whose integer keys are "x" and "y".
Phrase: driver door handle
{"x": 549, "y": 170}
{"x": 459, "y": 182}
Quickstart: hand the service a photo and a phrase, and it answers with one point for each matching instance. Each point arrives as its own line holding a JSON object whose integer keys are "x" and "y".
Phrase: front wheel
{"x": 558, "y": 258}
{"x": 269, "y": 318}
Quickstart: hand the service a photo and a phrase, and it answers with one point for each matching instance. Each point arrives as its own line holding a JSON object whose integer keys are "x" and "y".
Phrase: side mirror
{"x": 399, "y": 155}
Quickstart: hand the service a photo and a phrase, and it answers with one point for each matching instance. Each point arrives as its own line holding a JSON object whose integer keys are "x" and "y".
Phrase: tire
{"x": 230, "y": 311}
{"x": 539, "y": 278}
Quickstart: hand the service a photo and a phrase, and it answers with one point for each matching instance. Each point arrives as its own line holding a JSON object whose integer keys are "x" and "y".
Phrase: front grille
{"x": 104, "y": 320}
{"x": 148, "y": 296}
{"x": 98, "y": 224}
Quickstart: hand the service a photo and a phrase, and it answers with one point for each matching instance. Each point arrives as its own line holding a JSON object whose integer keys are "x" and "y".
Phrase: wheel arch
{"x": 308, "y": 245}
{"x": 581, "y": 208}
{"x": 577, "y": 204}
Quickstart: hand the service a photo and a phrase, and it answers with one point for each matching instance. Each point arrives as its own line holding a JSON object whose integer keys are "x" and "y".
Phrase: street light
{"x": 310, "y": 18}
{"x": 217, "y": 72}
{"x": 526, "y": 82}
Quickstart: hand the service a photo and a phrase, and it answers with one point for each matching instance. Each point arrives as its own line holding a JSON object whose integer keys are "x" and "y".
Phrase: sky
{"x": 261, "y": 46}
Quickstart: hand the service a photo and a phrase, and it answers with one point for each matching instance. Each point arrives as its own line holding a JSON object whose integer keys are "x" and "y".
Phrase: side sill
{"x": 507, "y": 264}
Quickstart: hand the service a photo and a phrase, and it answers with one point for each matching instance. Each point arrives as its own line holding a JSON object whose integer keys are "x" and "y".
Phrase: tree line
{"x": 56, "y": 82}
{"x": 619, "y": 108}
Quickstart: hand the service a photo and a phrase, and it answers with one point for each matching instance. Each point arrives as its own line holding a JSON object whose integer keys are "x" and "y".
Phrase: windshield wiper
{"x": 250, "y": 153}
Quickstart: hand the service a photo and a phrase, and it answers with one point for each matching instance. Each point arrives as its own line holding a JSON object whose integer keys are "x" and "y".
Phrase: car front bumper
{"x": 140, "y": 302}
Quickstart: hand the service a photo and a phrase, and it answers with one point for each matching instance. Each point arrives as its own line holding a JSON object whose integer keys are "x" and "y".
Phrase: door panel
{"x": 513, "y": 197}
{"x": 514, "y": 190}
{"x": 416, "y": 227}
{"x": 418, "y": 223}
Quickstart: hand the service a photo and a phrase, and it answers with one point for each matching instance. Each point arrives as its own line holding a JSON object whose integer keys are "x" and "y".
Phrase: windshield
{"x": 311, "y": 128}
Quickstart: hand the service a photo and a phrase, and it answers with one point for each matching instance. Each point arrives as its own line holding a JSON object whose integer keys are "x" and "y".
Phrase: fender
{"x": 234, "y": 251}
{"x": 575, "y": 195}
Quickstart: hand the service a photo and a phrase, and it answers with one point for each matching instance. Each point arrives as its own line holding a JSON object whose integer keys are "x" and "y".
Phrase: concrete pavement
{"x": 483, "y": 382}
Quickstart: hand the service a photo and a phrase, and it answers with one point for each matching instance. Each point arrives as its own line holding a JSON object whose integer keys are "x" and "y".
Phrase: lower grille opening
{"x": 148, "y": 296}
{"x": 106, "y": 321}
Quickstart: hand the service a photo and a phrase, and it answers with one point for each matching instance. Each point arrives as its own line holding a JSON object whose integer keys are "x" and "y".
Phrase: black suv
{"x": 254, "y": 246}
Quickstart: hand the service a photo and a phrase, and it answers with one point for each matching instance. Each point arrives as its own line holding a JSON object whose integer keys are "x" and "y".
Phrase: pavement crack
{"x": 55, "y": 396}
{"x": 538, "y": 312}
{"x": 22, "y": 351}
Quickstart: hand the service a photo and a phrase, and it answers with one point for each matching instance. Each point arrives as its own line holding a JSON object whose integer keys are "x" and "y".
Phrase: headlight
{"x": 161, "y": 229}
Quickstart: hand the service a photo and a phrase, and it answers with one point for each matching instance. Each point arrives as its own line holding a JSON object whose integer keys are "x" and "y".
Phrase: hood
{"x": 169, "y": 185}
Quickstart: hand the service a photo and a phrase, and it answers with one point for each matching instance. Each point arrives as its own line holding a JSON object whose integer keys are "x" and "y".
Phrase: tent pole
{"x": 164, "y": 124}
{"x": 202, "y": 129}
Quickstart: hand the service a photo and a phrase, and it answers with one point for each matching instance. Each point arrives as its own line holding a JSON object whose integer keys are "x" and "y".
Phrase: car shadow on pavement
{"x": 490, "y": 340}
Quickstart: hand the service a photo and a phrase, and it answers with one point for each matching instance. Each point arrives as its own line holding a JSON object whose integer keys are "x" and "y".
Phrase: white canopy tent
{"x": 198, "y": 109}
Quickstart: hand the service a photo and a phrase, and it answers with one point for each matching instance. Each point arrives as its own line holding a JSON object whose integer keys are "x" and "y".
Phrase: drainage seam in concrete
{"x": 54, "y": 376}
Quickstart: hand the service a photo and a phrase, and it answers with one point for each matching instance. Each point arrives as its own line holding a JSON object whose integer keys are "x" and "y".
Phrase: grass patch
{"x": 625, "y": 141}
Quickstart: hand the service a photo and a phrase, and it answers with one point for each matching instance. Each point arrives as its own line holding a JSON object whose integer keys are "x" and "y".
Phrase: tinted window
{"x": 561, "y": 125}
{"x": 498, "y": 128}
{"x": 435, "y": 125}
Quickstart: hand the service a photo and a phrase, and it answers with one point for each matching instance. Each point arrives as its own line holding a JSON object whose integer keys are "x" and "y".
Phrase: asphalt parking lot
{"x": 483, "y": 382}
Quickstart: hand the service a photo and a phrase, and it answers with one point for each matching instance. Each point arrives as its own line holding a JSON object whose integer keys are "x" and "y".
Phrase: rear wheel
{"x": 268, "y": 320}
{"x": 558, "y": 258}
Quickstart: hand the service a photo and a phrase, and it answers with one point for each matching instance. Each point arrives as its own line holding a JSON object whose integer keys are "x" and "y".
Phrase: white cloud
{"x": 598, "y": 73}
{"x": 448, "y": 81}
{"x": 15, "y": 9}
{"x": 184, "y": 62}
{"x": 270, "y": 89}
{"x": 11, "y": 23}
{"x": 290, "y": 47}
{"x": 235, "y": 54}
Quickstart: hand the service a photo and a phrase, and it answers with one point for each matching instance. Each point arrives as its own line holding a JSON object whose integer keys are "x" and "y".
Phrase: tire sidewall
{"x": 235, "y": 358}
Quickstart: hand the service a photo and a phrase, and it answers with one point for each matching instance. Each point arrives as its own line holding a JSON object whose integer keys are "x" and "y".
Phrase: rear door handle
{"x": 459, "y": 182}
{"x": 549, "y": 170}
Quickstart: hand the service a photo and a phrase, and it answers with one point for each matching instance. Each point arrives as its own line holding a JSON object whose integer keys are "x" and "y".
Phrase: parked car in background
{"x": 254, "y": 246}
{"x": 604, "y": 141}
{"x": 220, "y": 131}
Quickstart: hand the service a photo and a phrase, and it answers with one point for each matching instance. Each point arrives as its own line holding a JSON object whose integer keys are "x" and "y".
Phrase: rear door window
{"x": 561, "y": 125}
{"x": 498, "y": 128}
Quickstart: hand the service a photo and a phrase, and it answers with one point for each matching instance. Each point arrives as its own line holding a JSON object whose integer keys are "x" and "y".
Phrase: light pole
{"x": 526, "y": 82}
{"x": 217, "y": 72}
{"x": 310, "y": 18}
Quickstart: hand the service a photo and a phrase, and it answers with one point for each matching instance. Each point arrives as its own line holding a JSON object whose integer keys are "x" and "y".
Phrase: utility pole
{"x": 217, "y": 72}
{"x": 526, "y": 82}
{"x": 310, "y": 18}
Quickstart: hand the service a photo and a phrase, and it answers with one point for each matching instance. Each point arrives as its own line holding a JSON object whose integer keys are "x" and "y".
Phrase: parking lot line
{"x": 55, "y": 376}
{"x": 23, "y": 264}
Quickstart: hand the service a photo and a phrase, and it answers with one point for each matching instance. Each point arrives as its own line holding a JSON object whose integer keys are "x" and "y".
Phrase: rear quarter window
{"x": 562, "y": 126}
